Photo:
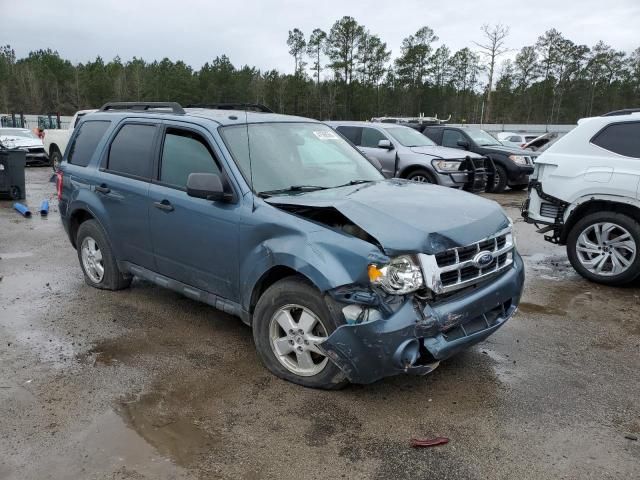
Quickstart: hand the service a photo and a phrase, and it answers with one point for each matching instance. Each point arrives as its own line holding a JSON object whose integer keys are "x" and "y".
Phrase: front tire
{"x": 290, "y": 318}
{"x": 97, "y": 260}
{"x": 603, "y": 248}
{"x": 422, "y": 176}
{"x": 500, "y": 181}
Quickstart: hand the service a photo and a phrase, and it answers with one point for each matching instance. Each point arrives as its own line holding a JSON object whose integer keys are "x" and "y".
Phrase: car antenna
{"x": 246, "y": 124}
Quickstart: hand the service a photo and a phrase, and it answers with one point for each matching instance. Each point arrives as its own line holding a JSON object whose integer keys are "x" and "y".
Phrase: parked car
{"x": 584, "y": 191}
{"x": 26, "y": 140}
{"x": 513, "y": 165}
{"x": 405, "y": 153}
{"x": 56, "y": 140}
{"x": 515, "y": 139}
{"x": 343, "y": 275}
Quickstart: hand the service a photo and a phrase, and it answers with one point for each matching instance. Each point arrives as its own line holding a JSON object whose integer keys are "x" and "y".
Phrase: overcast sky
{"x": 254, "y": 32}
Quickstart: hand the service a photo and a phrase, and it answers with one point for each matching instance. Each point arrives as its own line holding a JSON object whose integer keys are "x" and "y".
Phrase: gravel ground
{"x": 146, "y": 384}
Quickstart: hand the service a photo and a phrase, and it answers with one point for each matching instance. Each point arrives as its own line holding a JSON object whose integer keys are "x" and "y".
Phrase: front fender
{"x": 408, "y": 162}
{"x": 328, "y": 258}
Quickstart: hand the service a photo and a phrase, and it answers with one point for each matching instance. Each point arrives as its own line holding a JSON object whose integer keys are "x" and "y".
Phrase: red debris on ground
{"x": 428, "y": 442}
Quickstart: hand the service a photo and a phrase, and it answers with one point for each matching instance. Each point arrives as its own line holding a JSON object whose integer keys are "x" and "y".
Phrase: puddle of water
{"x": 176, "y": 436}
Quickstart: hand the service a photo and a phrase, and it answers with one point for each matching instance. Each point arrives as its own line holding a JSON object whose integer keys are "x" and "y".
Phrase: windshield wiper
{"x": 292, "y": 188}
{"x": 353, "y": 182}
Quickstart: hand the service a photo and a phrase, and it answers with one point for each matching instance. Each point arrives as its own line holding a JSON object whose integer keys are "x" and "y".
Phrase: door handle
{"x": 102, "y": 188}
{"x": 164, "y": 205}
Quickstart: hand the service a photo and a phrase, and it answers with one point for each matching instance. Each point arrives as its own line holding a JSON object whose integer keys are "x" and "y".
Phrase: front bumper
{"x": 472, "y": 176}
{"x": 519, "y": 174}
{"x": 541, "y": 208}
{"x": 415, "y": 339}
{"x": 40, "y": 157}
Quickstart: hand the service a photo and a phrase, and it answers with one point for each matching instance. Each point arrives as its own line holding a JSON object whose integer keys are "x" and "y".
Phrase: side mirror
{"x": 464, "y": 144}
{"x": 386, "y": 144}
{"x": 206, "y": 185}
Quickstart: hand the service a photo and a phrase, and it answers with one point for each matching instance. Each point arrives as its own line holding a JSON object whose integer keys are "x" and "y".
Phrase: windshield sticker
{"x": 325, "y": 135}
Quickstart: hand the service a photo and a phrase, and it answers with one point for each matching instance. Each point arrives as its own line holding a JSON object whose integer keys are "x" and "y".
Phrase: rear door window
{"x": 371, "y": 137}
{"x": 86, "y": 141}
{"x": 131, "y": 150}
{"x": 353, "y": 134}
{"x": 620, "y": 138}
{"x": 184, "y": 152}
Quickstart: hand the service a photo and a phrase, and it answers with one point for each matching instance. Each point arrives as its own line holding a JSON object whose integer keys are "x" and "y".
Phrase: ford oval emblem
{"x": 482, "y": 259}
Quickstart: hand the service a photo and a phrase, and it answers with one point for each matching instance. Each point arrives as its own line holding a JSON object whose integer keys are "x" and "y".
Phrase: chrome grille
{"x": 459, "y": 267}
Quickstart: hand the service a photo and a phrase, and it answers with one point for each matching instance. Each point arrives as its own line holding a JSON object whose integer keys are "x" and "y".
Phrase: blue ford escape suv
{"x": 343, "y": 275}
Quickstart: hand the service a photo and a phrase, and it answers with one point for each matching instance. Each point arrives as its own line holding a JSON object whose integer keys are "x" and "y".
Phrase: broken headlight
{"x": 400, "y": 276}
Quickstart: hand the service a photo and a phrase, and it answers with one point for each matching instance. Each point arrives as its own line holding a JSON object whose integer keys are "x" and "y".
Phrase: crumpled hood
{"x": 15, "y": 141}
{"x": 408, "y": 217}
{"x": 443, "y": 152}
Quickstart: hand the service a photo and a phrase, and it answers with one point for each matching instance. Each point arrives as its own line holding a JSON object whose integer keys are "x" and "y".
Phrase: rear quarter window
{"x": 620, "y": 138}
{"x": 353, "y": 134}
{"x": 86, "y": 141}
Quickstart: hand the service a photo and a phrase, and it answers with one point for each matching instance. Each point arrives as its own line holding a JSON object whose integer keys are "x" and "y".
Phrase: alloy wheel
{"x": 294, "y": 333}
{"x": 606, "y": 249}
{"x": 92, "y": 260}
{"x": 420, "y": 179}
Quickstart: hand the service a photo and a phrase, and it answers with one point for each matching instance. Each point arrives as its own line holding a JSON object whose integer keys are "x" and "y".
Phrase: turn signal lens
{"x": 374, "y": 273}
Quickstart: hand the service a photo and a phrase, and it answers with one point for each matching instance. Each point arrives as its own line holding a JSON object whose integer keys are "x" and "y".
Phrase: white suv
{"x": 584, "y": 192}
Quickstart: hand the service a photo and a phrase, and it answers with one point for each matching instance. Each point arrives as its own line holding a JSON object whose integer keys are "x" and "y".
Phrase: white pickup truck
{"x": 55, "y": 141}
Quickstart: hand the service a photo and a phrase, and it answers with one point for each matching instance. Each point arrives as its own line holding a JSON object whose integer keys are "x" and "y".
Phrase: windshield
{"x": 17, "y": 132}
{"x": 409, "y": 137}
{"x": 286, "y": 155}
{"x": 481, "y": 138}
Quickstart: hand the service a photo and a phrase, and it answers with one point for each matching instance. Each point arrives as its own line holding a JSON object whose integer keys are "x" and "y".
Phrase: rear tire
{"x": 500, "y": 181}
{"x": 610, "y": 238}
{"x": 55, "y": 159}
{"x": 97, "y": 260}
{"x": 422, "y": 176}
{"x": 285, "y": 301}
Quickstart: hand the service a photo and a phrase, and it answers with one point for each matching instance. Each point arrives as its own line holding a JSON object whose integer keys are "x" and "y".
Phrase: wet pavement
{"x": 147, "y": 384}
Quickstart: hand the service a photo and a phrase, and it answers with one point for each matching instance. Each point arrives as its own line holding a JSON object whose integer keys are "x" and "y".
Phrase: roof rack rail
{"x": 254, "y": 107}
{"x": 625, "y": 111}
{"x": 143, "y": 106}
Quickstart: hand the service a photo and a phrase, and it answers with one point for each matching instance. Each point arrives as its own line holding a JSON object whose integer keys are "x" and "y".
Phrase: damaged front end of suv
{"x": 365, "y": 277}
{"x": 433, "y": 284}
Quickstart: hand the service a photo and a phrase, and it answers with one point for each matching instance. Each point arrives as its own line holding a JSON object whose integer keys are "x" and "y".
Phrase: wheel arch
{"x": 580, "y": 209}
{"x": 53, "y": 148}
{"x": 77, "y": 218}
{"x": 409, "y": 169}
{"x": 270, "y": 277}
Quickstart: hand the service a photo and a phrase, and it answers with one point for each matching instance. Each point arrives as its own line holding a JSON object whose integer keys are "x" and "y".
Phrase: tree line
{"x": 348, "y": 72}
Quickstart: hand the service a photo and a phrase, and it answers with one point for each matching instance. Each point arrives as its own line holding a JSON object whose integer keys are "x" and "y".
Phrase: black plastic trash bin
{"x": 12, "y": 162}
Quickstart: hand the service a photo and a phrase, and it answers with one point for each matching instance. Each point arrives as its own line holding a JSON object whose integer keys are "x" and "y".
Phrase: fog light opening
{"x": 407, "y": 353}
